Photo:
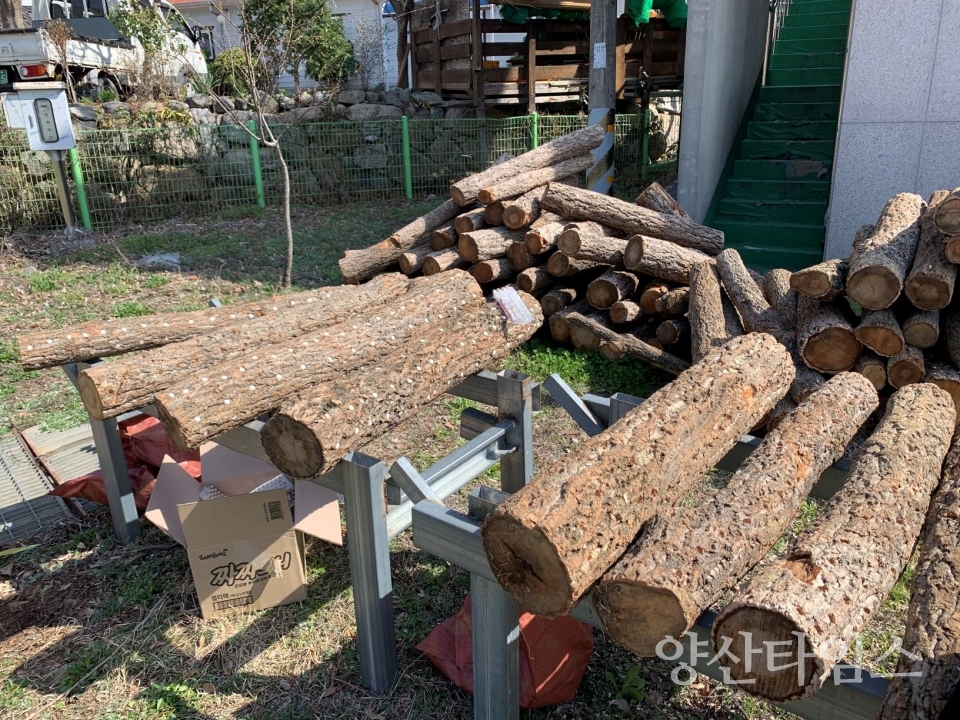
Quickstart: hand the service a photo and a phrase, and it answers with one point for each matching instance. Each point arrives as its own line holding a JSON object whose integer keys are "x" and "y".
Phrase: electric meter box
{"x": 45, "y": 115}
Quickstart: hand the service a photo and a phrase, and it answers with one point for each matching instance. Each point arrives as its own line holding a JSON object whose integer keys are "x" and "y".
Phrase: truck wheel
{"x": 94, "y": 90}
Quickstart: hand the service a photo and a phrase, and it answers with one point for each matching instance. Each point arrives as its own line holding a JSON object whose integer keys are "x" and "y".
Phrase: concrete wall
{"x": 900, "y": 118}
{"x": 724, "y": 56}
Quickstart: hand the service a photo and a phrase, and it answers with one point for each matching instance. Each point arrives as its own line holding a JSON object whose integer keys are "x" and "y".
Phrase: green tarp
{"x": 675, "y": 12}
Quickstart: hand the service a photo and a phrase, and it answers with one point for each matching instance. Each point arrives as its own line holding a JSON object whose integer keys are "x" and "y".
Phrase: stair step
{"x": 763, "y": 261}
{"x": 790, "y": 211}
{"x": 796, "y": 130}
{"x": 807, "y": 60}
{"x": 803, "y": 93}
{"x": 814, "y": 112}
{"x": 786, "y": 150}
{"x": 815, "y": 19}
{"x": 805, "y": 76}
{"x": 814, "y": 45}
{"x": 782, "y": 169}
{"x": 787, "y": 245}
{"x": 800, "y": 189}
{"x": 816, "y": 32}
{"x": 803, "y": 7}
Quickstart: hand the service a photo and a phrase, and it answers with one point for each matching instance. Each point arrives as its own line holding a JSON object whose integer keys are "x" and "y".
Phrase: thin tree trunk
{"x": 287, "y": 223}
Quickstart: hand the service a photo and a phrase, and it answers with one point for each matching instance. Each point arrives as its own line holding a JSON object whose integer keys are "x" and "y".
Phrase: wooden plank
{"x": 501, "y": 26}
{"x": 422, "y": 35}
{"x": 447, "y": 52}
{"x": 620, "y": 75}
{"x": 456, "y": 29}
{"x": 437, "y": 63}
{"x": 476, "y": 43}
{"x": 532, "y": 73}
{"x": 543, "y": 72}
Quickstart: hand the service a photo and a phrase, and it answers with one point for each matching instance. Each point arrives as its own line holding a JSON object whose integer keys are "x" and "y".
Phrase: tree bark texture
{"x": 947, "y": 215}
{"x": 880, "y": 262}
{"x": 873, "y": 368}
{"x": 661, "y": 258}
{"x": 554, "y": 538}
{"x": 576, "y": 204}
{"x": 524, "y": 182}
{"x": 781, "y": 411}
{"x": 675, "y": 303}
{"x": 624, "y": 311}
{"x": 615, "y": 349}
{"x": 557, "y": 299}
{"x": 544, "y": 238}
{"x": 487, "y": 244}
{"x": 826, "y": 281}
{"x": 443, "y": 237}
{"x": 880, "y": 331}
{"x": 825, "y": 337}
{"x": 586, "y": 244}
{"x": 560, "y": 265}
{"x": 470, "y": 221}
{"x": 630, "y": 346}
{"x": 670, "y": 332}
{"x": 411, "y": 234}
{"x": 944, "y": 375}
{"x": 575, "y": 144}
{"x": 687, "y": 558}
{"x": 933, "y": 618}
{"x": 932, "y": 278}
{"x": 311, "y": 433}
{"x": 412, "y": 260}
{"x": 906, "y": 368}
{"x": 583, "y": 337}
{"x": 613, "y": 286}
{"x": 650, "y": 294}
{"x": 560, "y": 323}
{"x": 657, "y": 199}
{"x": 131, "y": 382}
{"x": 493, "y": 214}
{"x": 443, "y": 260}
{"x": 782, "y": 298}
{"x": 232, "y": 393}
{"x": 534, "y": 280}
{"x": 921, "y": 328}
{"x": 713, "y": 320}
{"x": 839, "y": 570}
{"x": 488, "y": 271}
{"x": 357, "y": 266}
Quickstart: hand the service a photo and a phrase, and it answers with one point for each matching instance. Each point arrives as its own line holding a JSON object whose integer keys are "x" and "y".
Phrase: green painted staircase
{"x": 772, "y": 200}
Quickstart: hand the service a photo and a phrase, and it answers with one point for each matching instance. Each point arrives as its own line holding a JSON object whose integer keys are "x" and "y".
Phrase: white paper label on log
{"x": 517, "y": 313}
{"x": 599, "y": 56}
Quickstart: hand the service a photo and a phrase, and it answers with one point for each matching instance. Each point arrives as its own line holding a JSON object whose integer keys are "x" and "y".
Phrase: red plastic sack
{"x": 91, "y": 487}
{"x": 553, "y": 655}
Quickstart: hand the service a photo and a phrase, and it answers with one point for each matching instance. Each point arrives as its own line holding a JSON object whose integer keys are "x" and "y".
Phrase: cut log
{"x": 557, "y": 299}
{"x": 493, "y": 214}
{"x": 951, "y": 249}
{"x": 357, "y": 266}
{"x": 443, "y": 260}
{"x": 947, "y": 215}
{"x": 657, "y": 199}
{"x": 613, "y": 286}
{"x": 554, "y": 538}
{"x": 688, "y": 558}
{"x": 487, "y": 244}
{"x": 131, "y": 382}
{"x": 932, "y": 278}
{"x": 584, "y": 337}
{"x": 443, "y": 237}
{"x": 470, "y": 221}
{"x": 412, "y": 233}
{"x": 650, "y": 294}
{"x": 670, "y": 332}
{"x": 522, "y": 211}
{"x": 570, "y": 239}
{"x": 880, "y": 262}
{"x": 546, "y": 218}
{"x": 560, "y": 323}
{"x": 534, "y": 280}
{"x": 945, "y": 376}
{"x": 675, "y": 303}
{"x": 880, "y": 331}
{"x": 614, "y": 350}
{"x": 584, "y": 242}
{"x": 781, "y": 411}
{"x": 624, "y": 311}
{"x": 576, "y": 204}
{"x": 412, "y": 260}
{"x": 560, "y": 265}
{"x": 922, "y": 687}
{"x": 232, "y": 393}
{"x": 826, "y": 281}
{"x": 825, "y": 337}
{"x": 631, "y": 347}
{"x": 906, "y": 368}
{"x": 488, "y": 271}
{"x": 105, "y": 338}
{"x": 782, "y": 298}
{"x": 310, "y": 434}
{"x": 575, "y": 144}
{"x": 544, "y": 238}
{"x": 521, "y": 259}
{"x": 839, "y": 570}
{"x": 713, "y": 320}
{"x": 524, "y": 182}
{"x": 950, "y": 320}
{"x": 873, "y": 368}
{"x": 921, "y": 328}
{"x": 660, "y": 258}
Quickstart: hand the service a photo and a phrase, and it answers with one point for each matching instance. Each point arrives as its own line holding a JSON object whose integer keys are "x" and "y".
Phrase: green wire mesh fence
{"x": 147, "y": 175}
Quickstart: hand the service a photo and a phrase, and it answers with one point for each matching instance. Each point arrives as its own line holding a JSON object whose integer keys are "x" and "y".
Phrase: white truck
{"x": 98, "y": 57}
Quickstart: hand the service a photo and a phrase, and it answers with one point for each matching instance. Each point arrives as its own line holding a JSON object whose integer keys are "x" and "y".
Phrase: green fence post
{"x": 534, "y": 130}
{"x": 81, "y": 190}
{"x": 255, "y": 152}
{"x": 645, "y": 157}
{"x": 407, "y": 170}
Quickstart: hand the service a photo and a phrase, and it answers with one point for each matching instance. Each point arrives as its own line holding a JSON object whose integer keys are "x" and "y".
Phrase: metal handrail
{"x": 778, "y": 12}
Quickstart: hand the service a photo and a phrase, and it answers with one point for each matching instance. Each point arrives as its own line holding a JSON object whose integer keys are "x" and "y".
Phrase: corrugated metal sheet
{"x": 25, "y": 506}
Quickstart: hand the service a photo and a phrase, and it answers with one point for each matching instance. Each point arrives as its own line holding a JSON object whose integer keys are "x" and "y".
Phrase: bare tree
{"x": 11, "y": 14}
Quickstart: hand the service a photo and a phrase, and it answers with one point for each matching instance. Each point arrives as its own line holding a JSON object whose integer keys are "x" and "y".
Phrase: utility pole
{"x": 603, "y": 91}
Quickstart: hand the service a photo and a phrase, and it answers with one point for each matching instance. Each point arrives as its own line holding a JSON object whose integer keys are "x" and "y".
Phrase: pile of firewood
{"x": 329, "y": 369}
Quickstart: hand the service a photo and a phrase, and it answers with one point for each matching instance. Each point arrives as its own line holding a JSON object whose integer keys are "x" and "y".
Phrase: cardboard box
{"x": 245, "y": 549}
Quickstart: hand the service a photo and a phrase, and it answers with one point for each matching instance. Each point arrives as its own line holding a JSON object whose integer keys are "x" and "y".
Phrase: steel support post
{"x": 515, "y": 401}
{"x": 369, "y": 550}
{"x": 496, "y": 651}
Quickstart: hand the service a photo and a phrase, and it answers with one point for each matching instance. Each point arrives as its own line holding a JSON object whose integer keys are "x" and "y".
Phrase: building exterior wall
{"x": 900, "y": 116}
{"x": 724, "y": 56}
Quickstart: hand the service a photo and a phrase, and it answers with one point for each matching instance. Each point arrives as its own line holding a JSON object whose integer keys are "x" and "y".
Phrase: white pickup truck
{"x": 98, "y": 58}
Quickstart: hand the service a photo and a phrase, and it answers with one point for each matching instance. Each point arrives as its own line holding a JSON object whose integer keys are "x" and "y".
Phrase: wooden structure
{"x": 553, "y": 59}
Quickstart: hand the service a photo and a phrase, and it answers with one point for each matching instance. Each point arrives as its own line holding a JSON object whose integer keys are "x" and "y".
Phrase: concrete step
{"x": 793, "y": 112}
{"x": 815, "y": 19}
{"x": 805, "y": 76}
{"x": 787, "y": 211}
{"x": 795, "y": 130}
{"x": 800, "y": 190}
{"x": 802, "y": 93}
{"x": 813, "y": 45}
{"x": 787, "y": 150}
{"x": 782, "y": 169}
{"x": 804, "y": 7}
{"x": 807, "y": 60}
{"x": 817, "y": 32}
